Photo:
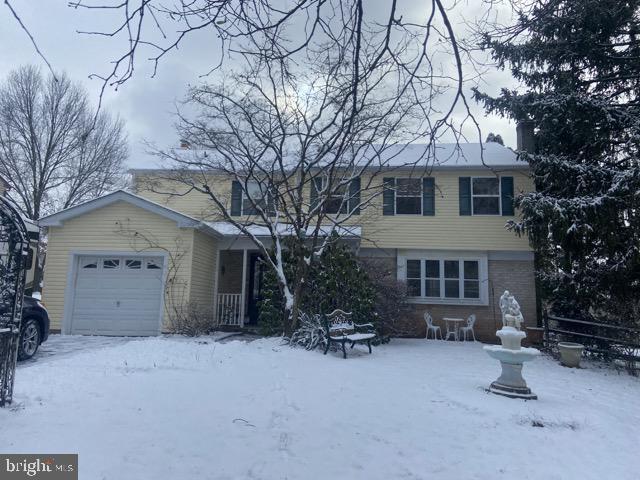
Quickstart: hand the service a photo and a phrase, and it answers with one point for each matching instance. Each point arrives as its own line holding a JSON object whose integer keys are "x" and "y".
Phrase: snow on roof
{"x": 452, "y": 155}
{"x": 437, "y": 156}
{"x": 229, "y": 229}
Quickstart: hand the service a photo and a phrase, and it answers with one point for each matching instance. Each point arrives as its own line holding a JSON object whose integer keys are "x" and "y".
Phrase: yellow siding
{"x": 112, "y": 228}
{"x": 446, "y": 230}
{"x": 172, "y": 194}
{"x": 203, "y": 270}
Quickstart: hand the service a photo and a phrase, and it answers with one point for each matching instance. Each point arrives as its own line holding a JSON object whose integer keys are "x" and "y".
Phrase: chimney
{"x": 526, "y": 140}
{"x": 184, "y": 144}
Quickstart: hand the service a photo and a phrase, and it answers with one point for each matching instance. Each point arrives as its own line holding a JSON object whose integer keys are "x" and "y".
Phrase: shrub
{"x": 191, "y": 320}
{"x": 390, "y": 305}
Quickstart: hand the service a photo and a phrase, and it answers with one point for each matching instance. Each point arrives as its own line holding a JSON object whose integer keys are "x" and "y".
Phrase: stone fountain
{"x": 510, "y": 354}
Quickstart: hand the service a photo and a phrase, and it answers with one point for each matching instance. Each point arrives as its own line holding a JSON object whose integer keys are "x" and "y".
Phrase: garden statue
{"x": 511, "y": 314}
{"x": 510, "y": 354}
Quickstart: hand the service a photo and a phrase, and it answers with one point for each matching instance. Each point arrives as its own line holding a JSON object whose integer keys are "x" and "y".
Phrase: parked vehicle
{"x": 35, "y": 327}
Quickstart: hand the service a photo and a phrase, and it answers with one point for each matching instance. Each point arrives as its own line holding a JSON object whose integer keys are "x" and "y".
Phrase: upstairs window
{"x": 253, "y": 195}
{"x": 337, "y": 201}
{"x": 485, "y": 194}
{"x": 408, "y": 196}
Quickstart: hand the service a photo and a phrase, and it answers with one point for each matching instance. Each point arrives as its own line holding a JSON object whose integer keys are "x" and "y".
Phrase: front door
{"x": 256, "y": 272}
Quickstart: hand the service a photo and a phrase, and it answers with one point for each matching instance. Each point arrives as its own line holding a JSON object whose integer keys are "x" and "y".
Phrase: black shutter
{"x": 464, "y": 188}
{"x": 428, "y": 196}
{"x": 354, "y": 196}
{"x": 506, "y": 188}
{"x": 236, "y": 199}
{"x": 271, "y": 204}
{"x": 389, "y": 196}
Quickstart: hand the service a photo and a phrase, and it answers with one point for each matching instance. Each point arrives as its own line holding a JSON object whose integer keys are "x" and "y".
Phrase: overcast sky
{"x": 145, "y": 103}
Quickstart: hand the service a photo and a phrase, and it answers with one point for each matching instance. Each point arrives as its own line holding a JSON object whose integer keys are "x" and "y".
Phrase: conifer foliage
{"x": 337, "y": 280}
{"x": 578, "y": 62}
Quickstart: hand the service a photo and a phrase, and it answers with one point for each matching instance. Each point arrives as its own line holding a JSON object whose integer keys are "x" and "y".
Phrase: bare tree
{"x": 329, "y": 93}
{"x": 54, "y": 151}
{"x": 305, "y": 143}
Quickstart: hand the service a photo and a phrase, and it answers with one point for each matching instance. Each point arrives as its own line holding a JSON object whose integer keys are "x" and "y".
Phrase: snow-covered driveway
{"x": 184, "y": 409}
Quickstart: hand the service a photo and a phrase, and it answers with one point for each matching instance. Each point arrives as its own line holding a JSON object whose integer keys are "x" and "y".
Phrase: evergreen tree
{"x": 336, "y": 280}
{"x": 579, "y": 64}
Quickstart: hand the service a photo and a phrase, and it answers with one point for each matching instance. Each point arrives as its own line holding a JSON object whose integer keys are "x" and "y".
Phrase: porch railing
{"x": 229, "y": 309}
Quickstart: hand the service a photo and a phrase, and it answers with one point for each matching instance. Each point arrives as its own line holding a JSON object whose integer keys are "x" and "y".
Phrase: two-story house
{"x": 117, "y": 265}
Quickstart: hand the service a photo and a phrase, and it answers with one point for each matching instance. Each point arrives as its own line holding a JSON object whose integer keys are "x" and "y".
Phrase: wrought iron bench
{"x": 341, "y": 329}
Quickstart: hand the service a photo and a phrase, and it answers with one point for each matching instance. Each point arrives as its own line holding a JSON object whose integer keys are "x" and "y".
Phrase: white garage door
{"x": 117, "y": 295}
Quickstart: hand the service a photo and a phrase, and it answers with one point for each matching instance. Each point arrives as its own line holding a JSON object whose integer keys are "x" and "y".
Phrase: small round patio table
{"x": 452, "y": 326}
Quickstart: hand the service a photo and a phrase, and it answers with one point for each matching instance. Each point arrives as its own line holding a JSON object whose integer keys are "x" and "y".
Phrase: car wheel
{"x": 29, "y": 339}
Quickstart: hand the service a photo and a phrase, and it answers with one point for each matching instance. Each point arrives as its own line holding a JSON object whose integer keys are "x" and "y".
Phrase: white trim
{"x": 473, "y": 214}
{"x": 183, "y": 221}
{"x": 441, "y": 255}
{"x": 244, "y": 287}
{"x": 72, "y": 275}
{"x": 216, "y": 283}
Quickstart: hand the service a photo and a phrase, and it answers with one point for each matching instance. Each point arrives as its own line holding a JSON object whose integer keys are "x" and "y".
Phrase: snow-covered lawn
{"x": 183, "y": 409}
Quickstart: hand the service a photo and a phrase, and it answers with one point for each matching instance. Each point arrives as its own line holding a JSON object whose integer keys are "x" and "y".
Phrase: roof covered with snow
{"x": 452, "y": 155}
{"x": 436, "y": 156}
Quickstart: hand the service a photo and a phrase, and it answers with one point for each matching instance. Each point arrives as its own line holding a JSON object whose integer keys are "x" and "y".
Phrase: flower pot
{"x": 570, "y": 353}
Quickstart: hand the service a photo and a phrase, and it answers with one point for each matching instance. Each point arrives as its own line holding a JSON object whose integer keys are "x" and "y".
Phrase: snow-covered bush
{"x": 191, "y": 320}
{"x": 310, "y": 332}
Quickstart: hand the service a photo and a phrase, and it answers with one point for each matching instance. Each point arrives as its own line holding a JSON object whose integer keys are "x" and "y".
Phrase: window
{"x": 452, "y": 278}
{"x": 444, "y": 279}
{"x": 408, "y": 196}
{"x": 413, "y": 278}
{"x": 485, "y": 193}
{"x": 337, "y": 201}
{"x": 432, "y": 278}
{"x": 254, "y": 192}
{"x": 471, "y": 279}
{"x": 133, "y": 264}
{"x": 153, "y": 265}
{"x": 89, "y": 263}
{"x": 110, "y": 263}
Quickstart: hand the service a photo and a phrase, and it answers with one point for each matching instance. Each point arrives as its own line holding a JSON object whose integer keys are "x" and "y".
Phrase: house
{"x": 120, "y": 264}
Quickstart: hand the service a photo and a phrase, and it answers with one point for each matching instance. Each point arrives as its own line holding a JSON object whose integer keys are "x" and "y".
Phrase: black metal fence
{"x": 14, "y": 244}
{"x": 604, "y": 341}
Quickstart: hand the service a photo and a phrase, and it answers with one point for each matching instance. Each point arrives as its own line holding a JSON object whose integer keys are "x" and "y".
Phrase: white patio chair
{"x": 469, "y": 328}
{"x": 431, "y": 327}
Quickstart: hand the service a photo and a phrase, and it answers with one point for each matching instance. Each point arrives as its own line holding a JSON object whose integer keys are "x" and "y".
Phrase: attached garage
{"x": 117, "y": 295}
{"x": 123, "y": 265}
